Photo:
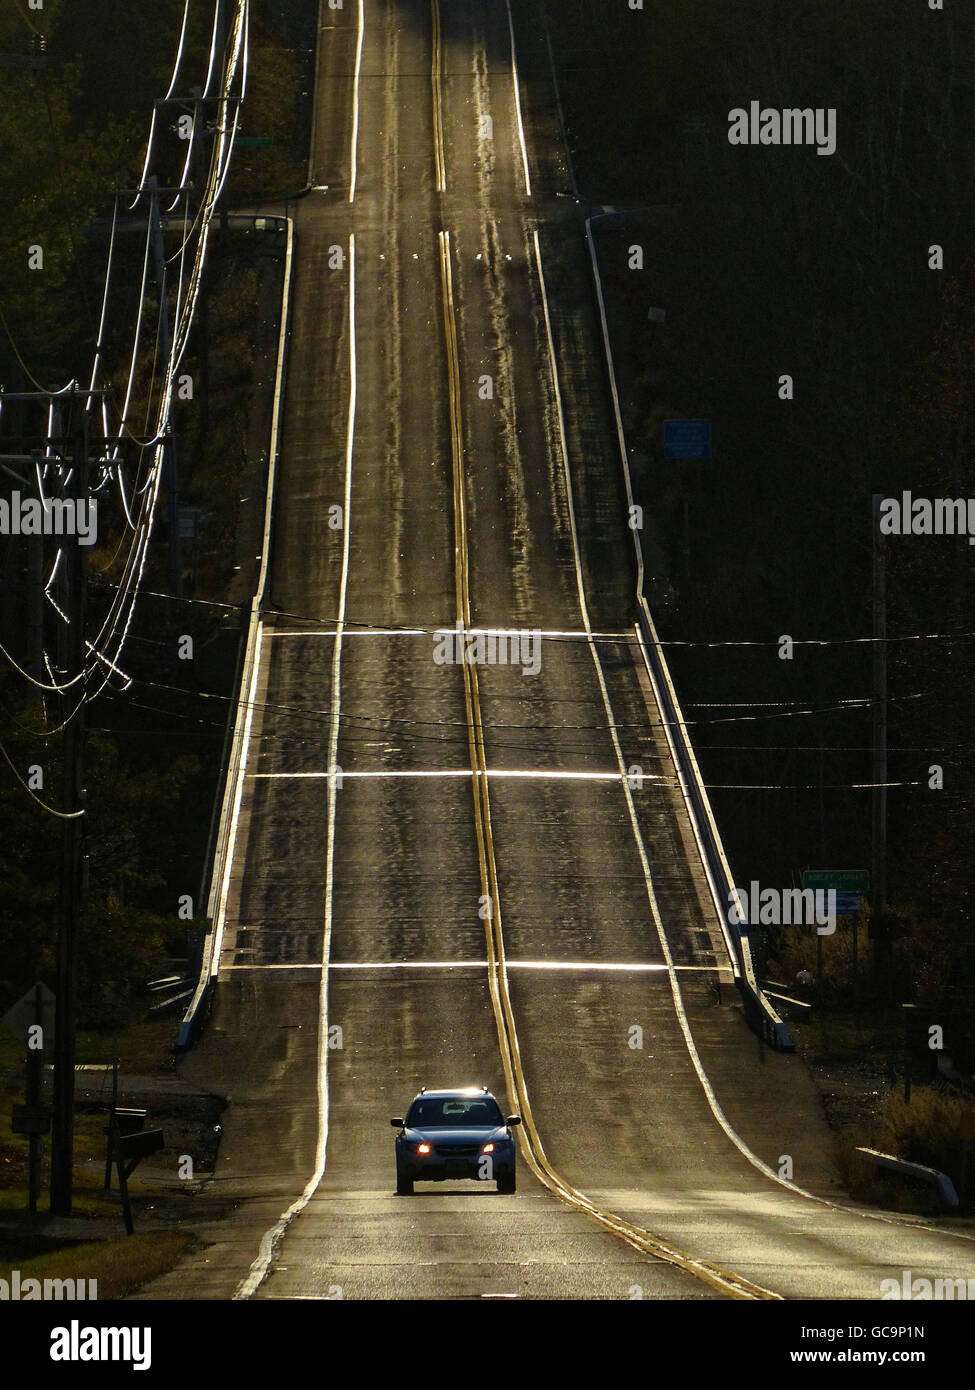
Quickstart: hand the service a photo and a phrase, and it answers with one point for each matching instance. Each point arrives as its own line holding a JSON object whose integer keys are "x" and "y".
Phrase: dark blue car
{"x": 455, "y": 1134}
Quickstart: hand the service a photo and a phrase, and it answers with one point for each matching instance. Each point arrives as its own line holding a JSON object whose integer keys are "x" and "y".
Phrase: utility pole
{"x": 35, "y": 1099}
{"x": 61, "y": 443}
{"x": 878, "y": 874}
{"x": 75, "y": 603}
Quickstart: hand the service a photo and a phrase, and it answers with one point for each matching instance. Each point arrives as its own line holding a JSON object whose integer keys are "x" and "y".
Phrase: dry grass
{"x": 121, "y": 1266}
{"x": 799, "y": 947}
{"x": 146, "y": 1046}
{"x": 923, "y": 1130}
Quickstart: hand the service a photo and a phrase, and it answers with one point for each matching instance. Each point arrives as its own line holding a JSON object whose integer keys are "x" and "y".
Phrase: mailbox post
{"x": 128, "y": 1143}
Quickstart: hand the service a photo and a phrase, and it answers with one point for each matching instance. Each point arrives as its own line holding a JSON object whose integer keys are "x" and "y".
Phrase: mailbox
{"x": 128, "y": 1143}
{"x": 133, "y": 1147}
{"x": 127, "y": 1121}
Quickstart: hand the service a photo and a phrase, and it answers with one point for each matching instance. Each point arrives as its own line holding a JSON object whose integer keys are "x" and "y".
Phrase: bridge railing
{"x": 758, "y": 1008}
{"x": 225, "y": 838}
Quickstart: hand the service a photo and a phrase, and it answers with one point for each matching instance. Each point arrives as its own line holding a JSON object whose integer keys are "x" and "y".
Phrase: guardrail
{"x": 758, "y": 1009}
{"x": 932, "y": 1176}
{"x": 233, "y": 782}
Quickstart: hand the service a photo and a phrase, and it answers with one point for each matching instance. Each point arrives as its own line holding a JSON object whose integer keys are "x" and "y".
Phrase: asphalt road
{"x": 630, "y": 1041}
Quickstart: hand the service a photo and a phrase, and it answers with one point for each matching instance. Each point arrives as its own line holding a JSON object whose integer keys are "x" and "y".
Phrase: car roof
{"x": 454, "y": 1093}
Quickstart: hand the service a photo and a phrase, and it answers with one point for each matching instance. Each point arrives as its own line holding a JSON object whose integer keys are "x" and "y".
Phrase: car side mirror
{"x": 398, "y": 1122}
{"x": 512, "y": 1120}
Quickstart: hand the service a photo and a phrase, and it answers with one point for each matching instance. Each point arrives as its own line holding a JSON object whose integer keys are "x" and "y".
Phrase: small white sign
{"x": 23, "y": 1014}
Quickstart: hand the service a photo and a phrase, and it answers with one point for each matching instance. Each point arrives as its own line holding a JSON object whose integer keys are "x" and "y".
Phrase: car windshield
{"x": 431, "y": 1111}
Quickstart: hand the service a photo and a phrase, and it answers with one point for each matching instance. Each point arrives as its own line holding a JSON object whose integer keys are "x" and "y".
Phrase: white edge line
{"x": 517, "y": 89}
{"x": 622, "y": 636}
{"x": 452, "y": 772}
{"x": 641, "y": 848}
{"x": 272, "y": 1238}
{"x": 354, "y": 150}
{"x": 276, "y": 413}
{"x": 223, "y": 888}
{"x": 689, "y": 808}
{"x": 712, "y": 1099}
{"x": 615, "y": 967}
{"x": 315, "y": 99}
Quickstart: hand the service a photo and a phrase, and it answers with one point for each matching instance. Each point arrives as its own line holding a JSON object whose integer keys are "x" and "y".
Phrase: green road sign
{"x": 840, "y": 880}
{"x": 253, "y": 142}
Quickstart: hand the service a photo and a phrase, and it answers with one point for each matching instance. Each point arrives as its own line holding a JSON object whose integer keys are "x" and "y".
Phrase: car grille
{"x": 456, "y": 1150}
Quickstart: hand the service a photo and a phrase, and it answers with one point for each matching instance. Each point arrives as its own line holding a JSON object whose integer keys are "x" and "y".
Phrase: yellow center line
{"x": 531, "y": 1145}
{"x": 438, "y": 144}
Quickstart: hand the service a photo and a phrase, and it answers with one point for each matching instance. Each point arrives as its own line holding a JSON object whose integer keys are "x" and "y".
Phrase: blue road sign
{"x": 687, "y": 439}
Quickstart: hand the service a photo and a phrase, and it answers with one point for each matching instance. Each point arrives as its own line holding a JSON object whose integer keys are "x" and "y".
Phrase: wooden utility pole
{"x": 74, "y": 406}
{"x": 878, "y": 874}
{"x": 74, "y": 592}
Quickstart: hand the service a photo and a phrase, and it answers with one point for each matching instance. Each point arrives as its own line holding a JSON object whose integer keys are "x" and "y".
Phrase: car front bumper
{"x": 442, "y": 1168}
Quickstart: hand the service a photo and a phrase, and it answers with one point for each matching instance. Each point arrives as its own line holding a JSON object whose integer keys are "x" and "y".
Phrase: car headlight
{"x": 488, "y": 1149}
{"x": 423, "y": 1148}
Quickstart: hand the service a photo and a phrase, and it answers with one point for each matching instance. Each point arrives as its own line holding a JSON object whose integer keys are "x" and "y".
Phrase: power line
{"x": 621, "y": 638}
{"x": 58, "y": 815}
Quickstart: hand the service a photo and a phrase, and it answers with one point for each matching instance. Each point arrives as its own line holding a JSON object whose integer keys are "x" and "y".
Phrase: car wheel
{"x": 507, "y": 1184}
{"x": 404, "y": 1186}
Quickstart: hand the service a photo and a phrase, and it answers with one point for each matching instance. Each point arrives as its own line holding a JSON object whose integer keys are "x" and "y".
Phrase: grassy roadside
{"x": 120, "y": 1266}
{"x": 144, "y": 861}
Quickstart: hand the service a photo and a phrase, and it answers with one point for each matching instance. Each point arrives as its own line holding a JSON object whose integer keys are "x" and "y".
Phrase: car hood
{"x": 455, "y": 1134}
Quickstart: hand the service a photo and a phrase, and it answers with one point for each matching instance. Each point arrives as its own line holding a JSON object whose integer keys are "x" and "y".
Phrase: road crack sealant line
{"x": 247, "y": 699}
{"x": 664, "y": 674}
{"x": 530, "y": 1141}
{"x": 273, "y": 1236}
